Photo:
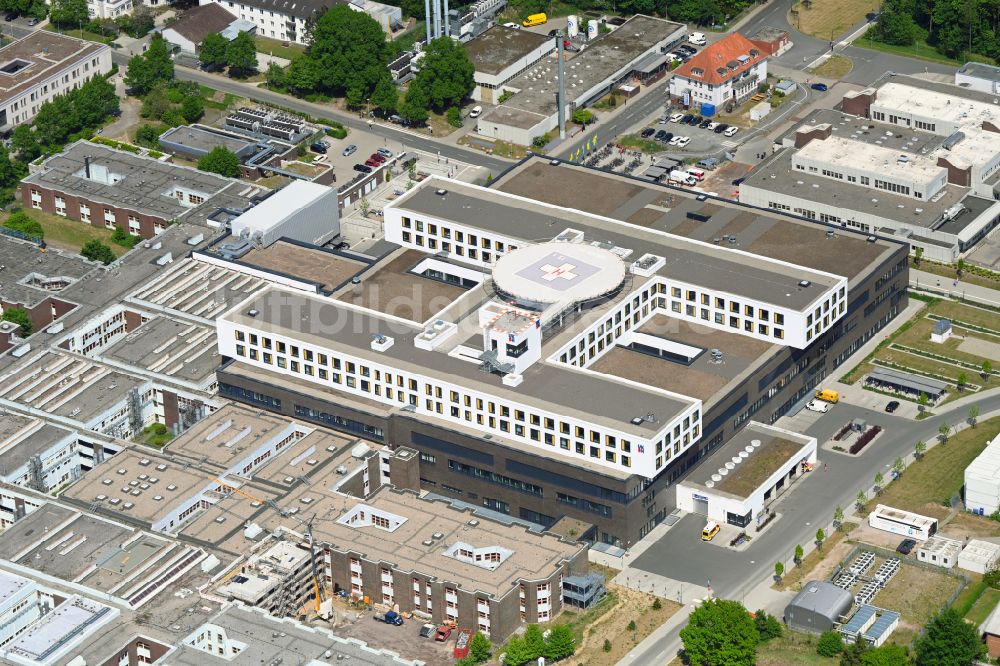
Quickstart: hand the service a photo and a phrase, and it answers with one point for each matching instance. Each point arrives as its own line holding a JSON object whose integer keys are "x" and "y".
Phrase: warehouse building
{"x": 819, "y": 606}
{"x": 462, "y": 335}
{"x": 502, "y": 53}
{"x": 982, "y": 481}
{"x": 300, "y": 211}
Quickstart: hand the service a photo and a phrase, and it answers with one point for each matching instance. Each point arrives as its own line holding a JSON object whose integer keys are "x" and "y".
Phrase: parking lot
{"x": 405, "y": 639}
{"x": 343, "y": 166}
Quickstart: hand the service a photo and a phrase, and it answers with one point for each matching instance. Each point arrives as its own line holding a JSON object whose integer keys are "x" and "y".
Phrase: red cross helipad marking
{"x": 551, "y": 272}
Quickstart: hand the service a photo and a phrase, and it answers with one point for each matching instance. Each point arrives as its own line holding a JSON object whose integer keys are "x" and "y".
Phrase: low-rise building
{"x": 989, "y": 631}
{"x": 819, "y": 606}
{"x": 773, "y": 41}
{"x": 502, "y": 53}
{"x": 285, "y": 21}
{"x": 979, "y": 556}
{"x": 44, "y": 65}
{"x": 939, "y": 551}
{"x": 301, "y": 211}
{"x": 727, "y": 72}
{"x": 982, "y": 481}
{"x": 979, "y": 76}
{"x": 195, "y": 24}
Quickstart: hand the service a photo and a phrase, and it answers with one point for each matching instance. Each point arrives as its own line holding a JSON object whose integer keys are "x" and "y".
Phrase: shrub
{"x": 865, "y": 438}
{"x": 830, "y": 644}
{"x": 95, "y": 250}
{"x": 454, "y": 117}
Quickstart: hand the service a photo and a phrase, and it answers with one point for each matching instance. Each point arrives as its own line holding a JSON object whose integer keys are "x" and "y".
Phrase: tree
{"x": 944, "y": 431}
{"x": 889, "y": 654}
{"x": 720, "y": 633}
{"x": 962, "y": 381}
{"x": 820, "y": 536}
{"x": 879, "y": 483}
{"x": 656, "y": 604}
{"x": 445, "y": 73}
{"x": 607, "y": 645}
{"x": 27, "y": 227}
{"x": 534, "y": 643}
{"x": 212, "y": 53}
{"x": 69, "y": 13}
{"x": 95, "y": 250}
{"x": 192, "y": 108}
{"x": 20, "y": 317}
{"x": 138, "y": 23}
{"x": 799, "y": 554}
{"x": 454, "y": 117}
{"x": 861, "y": 500}
{"x": 151, "y": 68}
{"x": 385, "y": 98}
{"x": 923, "y": 400}
{"x": 987, "y": 370}
{"x": 974, "y": 415}
{"x": 241, "y": 55}
{"x": 918, "y": 254}
{"x": 480, "y": 647}
{"x": 415, "y": 104}
{"x": 631, "y": 626}
{"x": 898, "y": 466}
{"x": 895, "y": 23}
{"x": 919, "y": 449}
{"x": 768, "y": 626}
{"x": 838, "y": 517}
{"x": 960, "y": 267}
{"x": 516, "y": 652}
{"x": 9, "y": 175}
{"x": 779, "y": 570}
{"x": 830, "y": 644}
{"x": 583, "y": 117}
{"x": 222, "y": 161}
{"x": 275, "y": 77}
{"x": 561, "y": 643}
{"x": 347, "y": 52}
{"x": 853, "y": 653}
{"x": 949, "y": 640}
{"x": 148, "y": 135}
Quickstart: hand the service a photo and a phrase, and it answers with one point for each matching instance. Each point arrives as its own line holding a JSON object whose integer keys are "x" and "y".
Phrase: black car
{"x": 683, "y": 55}
{"x": 363, "y": 168}
{"x": 905, "y": 546}
{"x": 892, "y": 406}
{"x": 687, "y": 119}
{"x": 648, "y": 132}
{"x": 721, "y": 128}
{"x": 10, "y": 16}
{"x": 821, "y": 87}
{"x": 318, "y": 147}
{"x": 738, "y": 181}
{"x": 705, "y": 123}
{"x": 661, "y": 135}
{"x": 697, "y": 120}
{"x": 687, "y": 48}
{"x": 668, "y": 137}
{"x": 553, "y": 33}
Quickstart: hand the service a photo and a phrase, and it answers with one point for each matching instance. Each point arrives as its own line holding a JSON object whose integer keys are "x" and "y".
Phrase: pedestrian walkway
{"x": 937, "y": 284}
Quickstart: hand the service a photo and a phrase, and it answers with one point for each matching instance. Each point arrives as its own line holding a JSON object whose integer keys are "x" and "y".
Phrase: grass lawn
{"x": 829, "y": 19}
{"x": 274, "y": 47}
{"x": 983, "y": 606}
{"x": 836, "y": 67}
{"x": 811, "y": 568}
{"x": 215, "y": 99}
{"x": 991, "y": 280}
{"x": 638, "y": 143}
{"x": 920, "y": 50}
{"x": 916, "y": 594}
{"x": 918, "y": 337}
{"x": 792, "y": 649}
{"x": 406, "y": 40}
{"x": 969, "y": 314}
{"x": 70, "y": 235}
{"x": 85, "y": 34}
{"x": 941, "y": 473}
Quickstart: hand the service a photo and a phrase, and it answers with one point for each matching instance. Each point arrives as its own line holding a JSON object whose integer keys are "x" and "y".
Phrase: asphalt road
{"x": 410, "y": 140}
{"x": 681, "y": 555}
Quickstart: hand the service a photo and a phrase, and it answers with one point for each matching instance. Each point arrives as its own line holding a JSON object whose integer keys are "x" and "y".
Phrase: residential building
{"x": 188, "y": 31}
{"x": 44, "y": 65}
{"x": 276, "y": 19}
{"x": 725, "y": 73}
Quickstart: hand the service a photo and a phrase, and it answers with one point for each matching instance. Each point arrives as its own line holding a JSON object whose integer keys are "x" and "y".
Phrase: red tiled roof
{"x": 725, "y": 55}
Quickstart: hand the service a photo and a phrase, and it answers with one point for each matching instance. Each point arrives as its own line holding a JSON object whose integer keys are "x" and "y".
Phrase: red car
{"x": 372, "y": 163}
{"x": 378, "y": 158}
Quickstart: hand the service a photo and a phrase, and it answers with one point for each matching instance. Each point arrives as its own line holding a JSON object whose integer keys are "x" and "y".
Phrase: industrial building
{"x": 458, "y": 344}
{"x": 300, "y": 211}
{"x": 502, "y": 53}
{"x": 819, "y": 606}
{"x": 979, "y": 76}
{"x": 906, "y": 157}
{"x": 606, "y": 61}
{"x": 110, "y": 188}
{"x": 982, "y": 481}
{"x": 42, "y": 66}
{"x": 979, "y": 556}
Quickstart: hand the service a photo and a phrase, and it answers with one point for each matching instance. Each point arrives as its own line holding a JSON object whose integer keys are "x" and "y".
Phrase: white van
{"x": 682, "y": 178}
{"x": 476, "y": 112}
{"x": 698, "y": 174}
{"x": 697, "y": 38}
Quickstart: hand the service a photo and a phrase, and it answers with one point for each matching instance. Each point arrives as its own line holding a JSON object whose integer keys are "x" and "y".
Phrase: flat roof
{"x": 913, "y": 382}
{"x": 56, "y": 631}
{"x": 31, "y": 276}
{"x": 775, "y": 450}
{"x": 41, "y": 55}
{"x": 324, "y": 267}
{"x": 202, "y": 139}
{"x": 283, "y": 204}
{"x": 980, "y": 70}
{"x": 842, "y": 152}
{"x": 197, "y": 289}
{"x": 498, "y": 47}
{"x": 661, "y": 208}
{"x": 14, "y": 453}
{"x": 987, "y": 464}
{"x": 717, "y": 268}
{"x": 174, "y": 348}
{"x": 130, "y": 181}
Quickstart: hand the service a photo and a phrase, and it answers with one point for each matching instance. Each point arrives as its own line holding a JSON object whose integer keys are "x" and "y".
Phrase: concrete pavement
{"x": 953, "y": 288}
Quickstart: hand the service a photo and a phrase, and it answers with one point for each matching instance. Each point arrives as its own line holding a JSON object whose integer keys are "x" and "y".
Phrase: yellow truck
{"x": 535, "y": 19}
{"x": 828, "y": 395}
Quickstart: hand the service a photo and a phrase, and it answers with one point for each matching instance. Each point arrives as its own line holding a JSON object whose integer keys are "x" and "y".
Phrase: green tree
{"x": 631, "y": 626}
{"x": 820, "y": 536}
{"x": 241, "y": 55}
{"x": 974, "y": 415}
{"x": 987, "y": 370}
{"x": 222, "y": 161}
{"x": 919, "y": 449}
{"x": 19, "y": 316}
{"x": 960, "y": 267}
{"x": 454, "y": 117}
{"x": 151, "y": 68}
{"x": 347, "y": 52}
{"x": 768, "y": 626}
{"x": 561, "y": 643}
{"x": 861, "y": 500}
{"x": 918, "y": 254}
{"x": 516, "y": 652}
{"x": 779, "y": 569}
{"x": 95, "y": 250}
{"x": 212, "y": 53}
{"x": 415, "y": 104}
{"x": 192, "y": 108}
{"x": 853, "y": 654}
{"x": 656, "y": 604}
{"x": 9, "y": 175}
{"x": 480, "y": 647}
{"x": 446, "y": 74}
{"x": 944, "y": 431}
{"x": 923, "y": 400}
{"x": 20, "y": 222}
{"x": 138, "y": 23}
{"x": 607, "y": 645}
{"x": 889, "y": 654}
{"x": 895, "y": 24}
{"x": 898, "y": 466}
{"x": 148, "y": 135}
{"x": 720, "y": 633}
{"x": 838, "y": 517}
{"x": 275, "y": 77}
{"x": 799, "y": 554}
{"x": 69, "y": 13}
{"x": 385, "y": 98}
{"x": 534, "y": 643}
{"x": 962, "y": 381}
{"x": 879, "y": 483}
{"x": 949, "y": 640}
{"x": 830, "y": 644}
{"x": 583, "y": 116}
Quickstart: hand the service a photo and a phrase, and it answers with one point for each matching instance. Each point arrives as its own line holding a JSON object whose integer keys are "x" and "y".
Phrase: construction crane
{"x": 284, "y": 513}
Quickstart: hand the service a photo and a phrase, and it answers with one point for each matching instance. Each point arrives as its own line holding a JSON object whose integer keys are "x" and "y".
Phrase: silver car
{"x": 350, "y": 150}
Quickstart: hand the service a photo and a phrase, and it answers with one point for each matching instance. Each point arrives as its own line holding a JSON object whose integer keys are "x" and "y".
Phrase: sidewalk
{"x": 953, "y": 288}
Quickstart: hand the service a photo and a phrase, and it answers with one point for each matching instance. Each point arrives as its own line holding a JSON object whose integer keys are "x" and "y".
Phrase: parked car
{"x": 681, "y": 55}
{"x": 389, "y": 617}
{"x": 674, "y": 140}
{"x": 705, "y": 123}
{"x": 822, "y": 87}
{"x": 738, "y": 181}
{"x": 696, "y": 121}
{"x": 720, "y": 128}
{"x": 686, "y": 118}
{"x": 892, "y": 406}
{"x": 342, "y": 245}
{"x": 687, "y": 48}
{"x": 676, "y": 118}
{"x": 349, "y": 150}
{"x": 443, "y": 633}
{"x": 10, "y": 16}
{"x": 697, "y": 38}
{"x": 385, "y": 152}
{"x": 905, "y": 546}
{"x": 818, "y": 406}
{"x": 713, "y": 125}
{"x": 731, "y": 131}
{"x": 318, "y": 147}
{"x": 668, "y": 137}
{"x": 476, "y": 112}
{"x": 427, "y": 630}
{"x": 33, "y": 20}
{"x": 363, "y": 168}
{"x": 370, "y": 162}
{"x": 661, "y": 135}
{"x": 683, "y": 142}
{"x": 512, "y": 26}
{"x": 378, "y": 158}
{"x": 648, "y": 132}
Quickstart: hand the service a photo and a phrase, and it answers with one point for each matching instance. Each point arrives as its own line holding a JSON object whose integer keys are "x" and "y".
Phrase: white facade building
{"x": 982, "y": 481}
{"x": 109, "y": 9}
{"x": 730, "y": 70}
{"x": 302, "y": 211}
{"x": 979, "y": 556}
{"x": 940, "y": 551}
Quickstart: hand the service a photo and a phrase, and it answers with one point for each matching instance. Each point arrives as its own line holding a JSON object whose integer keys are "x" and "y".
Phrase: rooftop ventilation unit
{"x": 440, "y": 191}
{"x": 804, "y": 283}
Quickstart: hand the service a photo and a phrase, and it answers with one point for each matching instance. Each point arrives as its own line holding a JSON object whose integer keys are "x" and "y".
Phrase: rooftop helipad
{"x": 558, "y": 271}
